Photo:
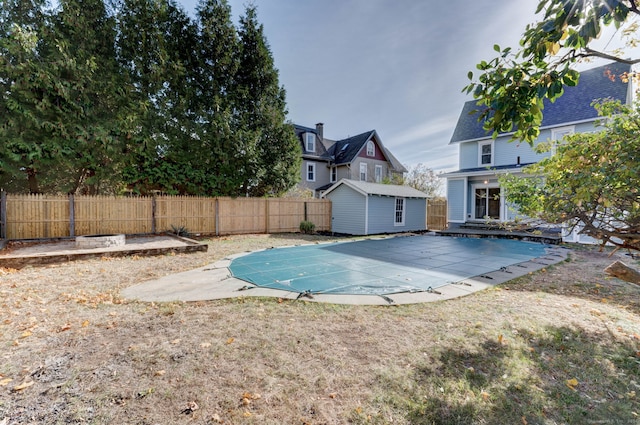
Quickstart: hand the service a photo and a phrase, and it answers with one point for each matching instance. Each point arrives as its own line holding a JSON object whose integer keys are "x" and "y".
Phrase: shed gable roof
{"x": 574, "y": 105}
{"x": 366, "y": 188}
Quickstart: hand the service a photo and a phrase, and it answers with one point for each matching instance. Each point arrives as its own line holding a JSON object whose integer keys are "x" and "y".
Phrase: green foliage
{"x": 139, "y": 95}
{"x": 593, "y": 179}
{"x": 307, "y": 227}
{"x": 180, "y": 231}
{"x": 511, "y": 87}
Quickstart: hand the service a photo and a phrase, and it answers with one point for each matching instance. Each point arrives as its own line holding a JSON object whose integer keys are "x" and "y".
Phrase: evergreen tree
{"x": 218, "y": 44}
{"x": 268, "y": 153}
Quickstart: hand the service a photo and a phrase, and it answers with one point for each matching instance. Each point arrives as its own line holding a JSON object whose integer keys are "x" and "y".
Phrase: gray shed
{"x": 362, "y": 208}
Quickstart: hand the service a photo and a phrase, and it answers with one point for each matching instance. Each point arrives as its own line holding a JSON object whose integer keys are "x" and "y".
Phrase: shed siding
{"x": 456, "y": 192}
{"x": 348, "y": 211}
{"x": 382, "y": 215}
{"x": 416, "y": 217}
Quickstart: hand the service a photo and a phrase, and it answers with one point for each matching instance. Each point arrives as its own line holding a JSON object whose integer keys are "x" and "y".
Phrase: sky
{"x": 394, "y": 66}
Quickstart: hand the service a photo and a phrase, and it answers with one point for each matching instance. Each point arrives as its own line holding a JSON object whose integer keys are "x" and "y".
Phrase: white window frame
{"x": 310, "y": 169}
{"x": 310, "y": 142}
{"x": 399, "y": 211}
{"x": 363, "y": 170}
{"x": 480, "y": 155}
{"x": 371, "y": 148}
{"x": 378, "y": 174}
{"x": 557, "y": 134}
{"x": 333, "y": 173}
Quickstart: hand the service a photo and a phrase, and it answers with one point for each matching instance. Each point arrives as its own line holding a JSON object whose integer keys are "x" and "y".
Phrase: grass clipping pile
{"x": 558, "y": 346}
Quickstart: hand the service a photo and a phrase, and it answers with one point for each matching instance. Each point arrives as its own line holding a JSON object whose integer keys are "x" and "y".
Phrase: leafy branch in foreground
{"x": 592, "y": 180}
{"x": 511, "y": 88}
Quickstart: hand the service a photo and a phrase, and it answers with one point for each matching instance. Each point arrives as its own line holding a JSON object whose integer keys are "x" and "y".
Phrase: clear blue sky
{"x": 396, "y": 66}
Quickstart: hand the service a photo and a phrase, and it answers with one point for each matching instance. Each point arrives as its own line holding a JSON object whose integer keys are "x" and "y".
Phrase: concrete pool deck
{"x": 216, "y": 281}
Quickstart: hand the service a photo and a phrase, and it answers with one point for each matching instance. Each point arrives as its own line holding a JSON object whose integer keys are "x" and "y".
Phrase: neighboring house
{"x": 362, "y": 157}
{"x": 473, "y": 191}
{"x": 364, "y": 208}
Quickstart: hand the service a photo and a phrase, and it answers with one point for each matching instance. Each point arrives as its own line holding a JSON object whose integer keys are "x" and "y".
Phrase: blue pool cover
{"x": 380, "y": 266}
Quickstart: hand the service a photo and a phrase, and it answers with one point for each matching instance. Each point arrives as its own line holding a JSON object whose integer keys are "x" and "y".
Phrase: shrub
{"x": 179, "y": 230}
{"x": 307, "y": 227}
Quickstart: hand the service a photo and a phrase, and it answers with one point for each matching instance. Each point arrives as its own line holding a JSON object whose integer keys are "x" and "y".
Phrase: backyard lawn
{"x": 561, "y": 346}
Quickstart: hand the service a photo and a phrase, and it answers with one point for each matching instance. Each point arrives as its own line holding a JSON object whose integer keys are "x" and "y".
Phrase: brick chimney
{"x": 320, "y": 130}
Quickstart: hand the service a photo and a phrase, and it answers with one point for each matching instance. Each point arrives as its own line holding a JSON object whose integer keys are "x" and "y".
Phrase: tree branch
{"x": 591, "y": 53}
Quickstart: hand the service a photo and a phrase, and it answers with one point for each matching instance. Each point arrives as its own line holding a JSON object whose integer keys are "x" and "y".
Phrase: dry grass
{"x": 559, "y": 346}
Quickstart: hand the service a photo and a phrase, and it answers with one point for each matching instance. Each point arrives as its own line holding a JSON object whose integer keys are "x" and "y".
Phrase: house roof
{"x": 366, "y": 188}
{"x": 575, "y": 105}
{"x": 486, "y": 170}
{"x": 345, "y": 151}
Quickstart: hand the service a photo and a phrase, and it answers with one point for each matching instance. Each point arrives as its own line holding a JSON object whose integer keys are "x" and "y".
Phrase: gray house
{"x": 364, "y": 208}
{"x": 474, "y": 192}
{"x": 362, "y": 157}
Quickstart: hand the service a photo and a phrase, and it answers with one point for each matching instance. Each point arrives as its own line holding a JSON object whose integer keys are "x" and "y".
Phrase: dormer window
{"x": 310, "y": 142}
{"x": 485, "y": 154}
{"x": 371, "y": 148}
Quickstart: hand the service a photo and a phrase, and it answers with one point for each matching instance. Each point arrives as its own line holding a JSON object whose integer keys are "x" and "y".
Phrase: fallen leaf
{"x": 230, "y": 340}
{"x": 26, "y": 334}
{"x": 25, "y": 384}
{"x": 160, "y": 372}
{"x": 65, "y": 328}
{"x": 175, "y": 341}
{"x": 485, "y": 395}
{"x": 5, "y": 381}
{"x": 572, "y": 383}
{"x": 500, "y": 339}
{"x": 85, "y": 323}
{"x": 333, "y": 395}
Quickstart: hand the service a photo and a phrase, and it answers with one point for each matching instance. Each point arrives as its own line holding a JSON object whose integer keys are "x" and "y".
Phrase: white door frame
{"x": 474, "y": 187}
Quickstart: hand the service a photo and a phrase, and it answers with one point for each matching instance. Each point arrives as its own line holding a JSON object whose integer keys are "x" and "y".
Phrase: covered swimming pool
{"x": 381, "y": 266}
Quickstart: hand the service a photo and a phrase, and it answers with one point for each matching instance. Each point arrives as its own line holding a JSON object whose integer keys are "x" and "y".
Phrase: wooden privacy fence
{"x": 49, "y": 216}
{"x": 436, "y": 214}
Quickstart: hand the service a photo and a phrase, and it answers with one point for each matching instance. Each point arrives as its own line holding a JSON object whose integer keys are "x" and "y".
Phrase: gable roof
{"x": 366, "y": 188}
{"x": 573, "y": 106}
{"x": 345, "y": 151}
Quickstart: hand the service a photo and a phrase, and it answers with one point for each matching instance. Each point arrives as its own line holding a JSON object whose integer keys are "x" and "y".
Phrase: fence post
{"x": 3, "y": 214}
{"x": 72, "y": 215}
{"x": 305, "y": 211}
{"x": 266, "y": 216}
{"x": 153, "y": 214}
{"x": 217, "y": 212}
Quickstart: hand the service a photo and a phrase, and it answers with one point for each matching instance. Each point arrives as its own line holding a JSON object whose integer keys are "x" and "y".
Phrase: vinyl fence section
{"x": 48, "y": 216}
{"x": 436, "y": 214}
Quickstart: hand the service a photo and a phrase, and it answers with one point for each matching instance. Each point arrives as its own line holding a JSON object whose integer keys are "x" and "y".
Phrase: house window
{"x": 363, "y": 171}
{"x": 399, "y": 216}
{"x": 311, "y": 171}
{"x": 334, "y": 174}
{"x": 558, "y": 134}
{"x": 378, "y": 173}
{"x": 485, "y": 153}
{"x": 371, "y": 148}
{"x": 311, "y": 142}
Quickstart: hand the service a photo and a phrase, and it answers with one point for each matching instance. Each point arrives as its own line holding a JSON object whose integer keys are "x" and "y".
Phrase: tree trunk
{"x": 624, "y": 272}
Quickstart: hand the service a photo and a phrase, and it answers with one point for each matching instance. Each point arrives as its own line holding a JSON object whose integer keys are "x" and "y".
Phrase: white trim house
{"x": 473, "y": 191}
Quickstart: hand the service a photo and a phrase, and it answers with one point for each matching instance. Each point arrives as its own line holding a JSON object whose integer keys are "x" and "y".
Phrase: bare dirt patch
{"x": 73, "y": 351}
